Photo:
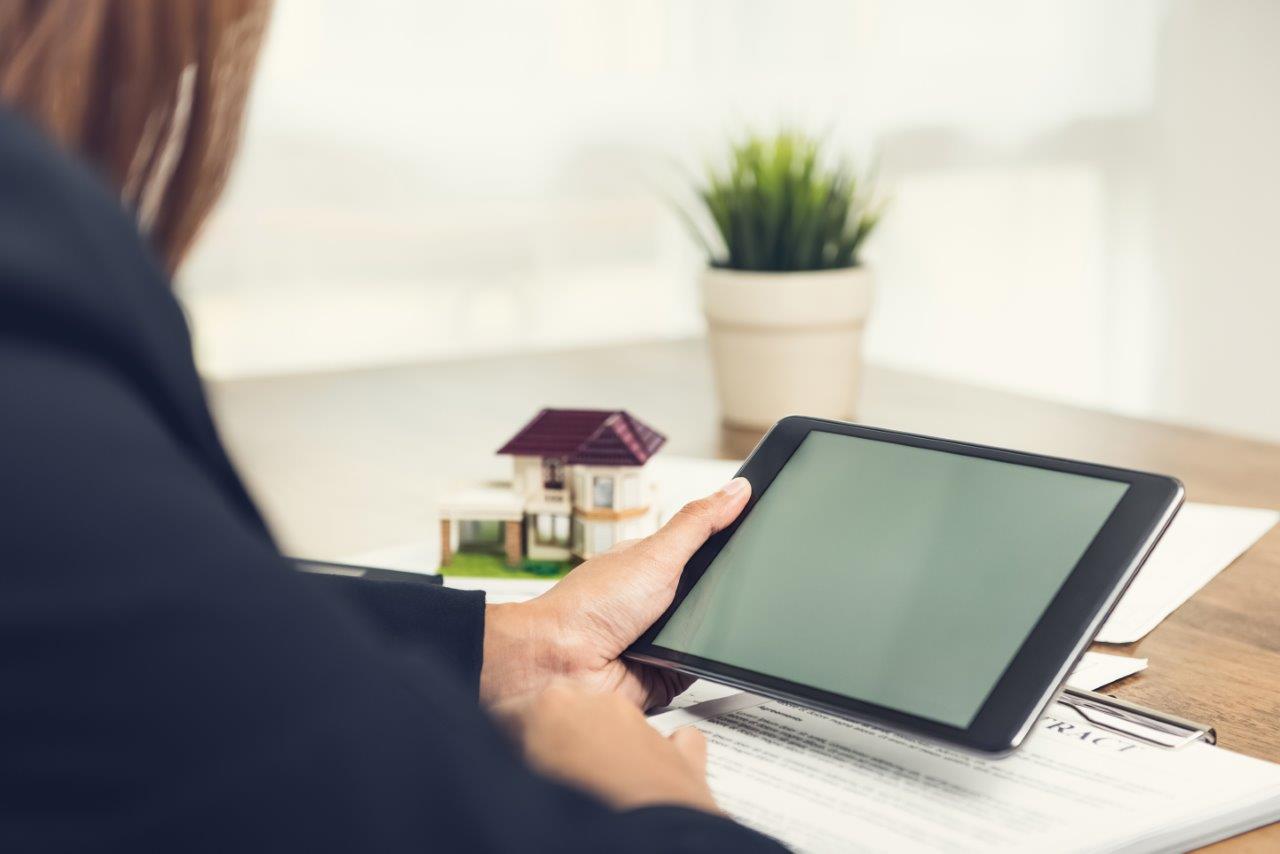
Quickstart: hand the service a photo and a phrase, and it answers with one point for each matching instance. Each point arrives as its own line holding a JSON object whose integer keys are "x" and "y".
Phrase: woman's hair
{"x": 151, "y": 92}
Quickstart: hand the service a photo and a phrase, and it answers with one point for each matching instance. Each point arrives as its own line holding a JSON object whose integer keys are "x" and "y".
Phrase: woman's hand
{"x": 579, "y": 628}
{"x": 600, "y": 743}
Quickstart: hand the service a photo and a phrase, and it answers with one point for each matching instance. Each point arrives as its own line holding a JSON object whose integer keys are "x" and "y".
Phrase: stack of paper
{"x": 1097, "y": 669}
{"x": 821, "y": 783}
{"x": 1202, "y": 541}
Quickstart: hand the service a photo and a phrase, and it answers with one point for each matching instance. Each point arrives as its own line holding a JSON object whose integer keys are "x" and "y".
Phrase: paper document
{"x": 1201, "y": 542}
{"x": 1099, "y": 668}
{"x": 499, "y": 590}
{"x": 418, "y": 556}
{"x": 823, "y": 784}
{"x": 701, "y": 691}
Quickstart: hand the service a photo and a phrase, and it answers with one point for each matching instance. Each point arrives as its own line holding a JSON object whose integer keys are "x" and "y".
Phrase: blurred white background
{"x": 1083, "y": 193}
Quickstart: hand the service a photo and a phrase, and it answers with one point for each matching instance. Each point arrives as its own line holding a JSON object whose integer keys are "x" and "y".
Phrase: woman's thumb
{"x": 686, "y": 531}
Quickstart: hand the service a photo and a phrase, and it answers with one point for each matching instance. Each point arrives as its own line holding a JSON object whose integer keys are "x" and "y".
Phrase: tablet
{"x": 932, "y": 586}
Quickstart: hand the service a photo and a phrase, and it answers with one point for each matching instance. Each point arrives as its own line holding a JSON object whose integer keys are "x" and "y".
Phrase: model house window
{"x": 551, "y": 529}
{"x": 577, "y": 536}
{"x": 602, "y": 493}
{"x": 552, "y": 473}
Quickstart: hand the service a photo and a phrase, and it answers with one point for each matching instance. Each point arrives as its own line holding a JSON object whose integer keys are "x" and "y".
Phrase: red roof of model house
{"x": 596, "y": 437}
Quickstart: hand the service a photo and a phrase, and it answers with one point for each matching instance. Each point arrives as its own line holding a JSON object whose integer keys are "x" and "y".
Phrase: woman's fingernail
{"x": 733, "y": 487}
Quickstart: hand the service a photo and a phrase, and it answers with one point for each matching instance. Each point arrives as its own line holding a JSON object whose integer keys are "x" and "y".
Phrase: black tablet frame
{"x": 1044, "y": 660}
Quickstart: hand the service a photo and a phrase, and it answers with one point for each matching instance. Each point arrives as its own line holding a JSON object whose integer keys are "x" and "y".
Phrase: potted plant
{"x": 784, "y": 293}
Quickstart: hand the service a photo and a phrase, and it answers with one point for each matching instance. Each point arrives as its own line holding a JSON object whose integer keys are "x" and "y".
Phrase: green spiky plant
{"x": 780, "y": 205}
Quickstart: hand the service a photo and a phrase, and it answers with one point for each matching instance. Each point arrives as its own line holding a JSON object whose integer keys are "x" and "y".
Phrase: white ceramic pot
{"x": 786, "y": 343}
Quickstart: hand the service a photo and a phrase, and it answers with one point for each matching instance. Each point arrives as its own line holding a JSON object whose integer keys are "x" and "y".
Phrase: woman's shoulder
{"x": 78, "y": 280}
{"x": 72, "y": 262}
{"x": 29, "y": 159}
{"x": 59, "y": 217}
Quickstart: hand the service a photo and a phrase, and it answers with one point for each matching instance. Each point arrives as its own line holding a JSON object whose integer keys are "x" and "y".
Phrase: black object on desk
{"x": 372, "y": 573}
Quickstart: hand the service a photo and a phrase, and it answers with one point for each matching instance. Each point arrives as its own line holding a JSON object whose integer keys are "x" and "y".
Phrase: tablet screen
{"x": 895, "y": 575}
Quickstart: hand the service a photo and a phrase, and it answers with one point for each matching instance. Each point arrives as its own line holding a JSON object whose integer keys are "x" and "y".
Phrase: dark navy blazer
{"x": 167, "y": 681}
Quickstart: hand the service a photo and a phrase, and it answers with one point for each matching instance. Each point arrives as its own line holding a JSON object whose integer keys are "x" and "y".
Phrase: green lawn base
{"x": 480, "y": 565}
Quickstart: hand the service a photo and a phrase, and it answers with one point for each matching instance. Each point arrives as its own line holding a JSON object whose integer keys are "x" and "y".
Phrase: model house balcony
{"x": 549, "y": 501}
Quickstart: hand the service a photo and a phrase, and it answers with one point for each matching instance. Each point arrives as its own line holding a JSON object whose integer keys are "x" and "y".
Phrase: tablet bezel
{"x": 1043, "y": 661}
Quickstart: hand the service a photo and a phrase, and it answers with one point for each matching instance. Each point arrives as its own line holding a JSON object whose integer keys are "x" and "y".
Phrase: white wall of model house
{"x": 597, "y": 506}
{"x": 611, "y": 504}
{"x": 546, "y": 508}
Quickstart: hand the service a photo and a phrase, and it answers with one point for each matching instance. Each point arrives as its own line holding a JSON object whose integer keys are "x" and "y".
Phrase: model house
{"x": 579, "y": 486}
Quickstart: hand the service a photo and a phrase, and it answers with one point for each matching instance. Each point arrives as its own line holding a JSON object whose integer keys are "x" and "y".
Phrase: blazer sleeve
{"x": 448, "y": 623}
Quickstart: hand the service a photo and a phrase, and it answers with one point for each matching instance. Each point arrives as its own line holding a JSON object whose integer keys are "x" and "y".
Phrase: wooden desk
{"x": 352, "y": 461}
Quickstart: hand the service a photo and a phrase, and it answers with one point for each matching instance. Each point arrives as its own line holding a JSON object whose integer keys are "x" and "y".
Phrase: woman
{"x": 169, "y": 683}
